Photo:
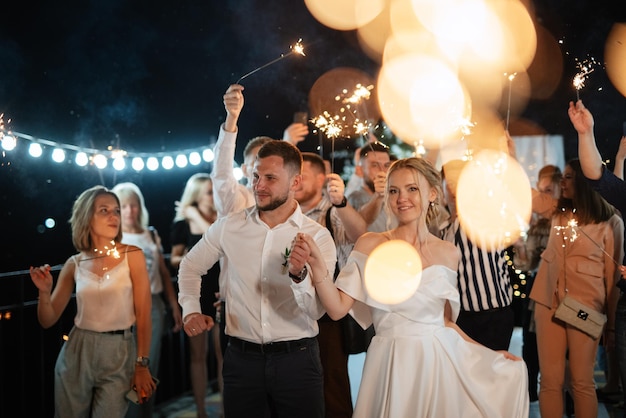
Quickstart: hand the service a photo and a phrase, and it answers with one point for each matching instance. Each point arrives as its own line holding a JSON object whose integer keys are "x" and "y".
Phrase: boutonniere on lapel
{"x": 286, "y": 260}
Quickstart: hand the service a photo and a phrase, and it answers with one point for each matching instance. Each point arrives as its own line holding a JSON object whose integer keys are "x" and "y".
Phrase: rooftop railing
{"x": 28, "y": 352}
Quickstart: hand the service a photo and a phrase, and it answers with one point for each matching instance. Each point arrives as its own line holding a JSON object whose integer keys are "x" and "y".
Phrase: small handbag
{"x": 580, "y": 316}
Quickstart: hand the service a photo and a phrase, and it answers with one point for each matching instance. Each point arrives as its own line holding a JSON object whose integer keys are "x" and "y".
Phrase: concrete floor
{"x": 184, "y": 407}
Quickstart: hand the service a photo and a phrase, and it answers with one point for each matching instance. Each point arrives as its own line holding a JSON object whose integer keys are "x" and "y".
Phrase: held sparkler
{"x": 298, "y": 48}
{"x": 585, "y": 68}
{"x": 335, "y": 125}
{"x": 508, "y": 109}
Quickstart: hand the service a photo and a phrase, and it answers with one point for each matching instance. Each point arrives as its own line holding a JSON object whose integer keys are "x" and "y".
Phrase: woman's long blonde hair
{"x": 191, "y": 193}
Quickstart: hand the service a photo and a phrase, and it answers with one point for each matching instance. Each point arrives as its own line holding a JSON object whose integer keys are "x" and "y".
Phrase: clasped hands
{"x": 304, "y": 250}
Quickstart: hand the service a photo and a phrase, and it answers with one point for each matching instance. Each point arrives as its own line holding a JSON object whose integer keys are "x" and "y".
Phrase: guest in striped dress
{"x": 483, "y": 278}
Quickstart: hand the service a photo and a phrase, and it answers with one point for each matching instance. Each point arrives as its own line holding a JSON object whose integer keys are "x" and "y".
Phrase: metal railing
{"x": 28, "y": 352}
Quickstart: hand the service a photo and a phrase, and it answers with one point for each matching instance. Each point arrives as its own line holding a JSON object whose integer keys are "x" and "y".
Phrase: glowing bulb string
{"x": 298, "y": 48}
{"x": 111, "y": 152}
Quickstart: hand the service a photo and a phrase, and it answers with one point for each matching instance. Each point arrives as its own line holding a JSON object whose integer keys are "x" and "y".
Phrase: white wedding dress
{"x": 416, "y": 367}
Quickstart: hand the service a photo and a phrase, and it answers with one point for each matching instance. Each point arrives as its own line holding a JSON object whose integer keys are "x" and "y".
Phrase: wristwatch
{"x": 300, "y": 277}
{"x": 142, "y": 361}
{"x": 343, "y": 203}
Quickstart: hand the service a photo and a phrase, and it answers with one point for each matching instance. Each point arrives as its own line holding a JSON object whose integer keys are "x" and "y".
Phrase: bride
{"x": 420, "y": 363}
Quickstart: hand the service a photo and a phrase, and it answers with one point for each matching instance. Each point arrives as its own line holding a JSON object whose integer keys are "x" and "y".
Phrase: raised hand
{"x": 42, "y": 278}
{"x": 295, "y": 133}
{"x": 335, "y": 188}
{"x": 581, "y": 117}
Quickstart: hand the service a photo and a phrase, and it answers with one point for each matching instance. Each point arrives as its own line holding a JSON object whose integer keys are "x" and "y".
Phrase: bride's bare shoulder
{"x": 447, "y": 253}
{"x": 370, "y": 240}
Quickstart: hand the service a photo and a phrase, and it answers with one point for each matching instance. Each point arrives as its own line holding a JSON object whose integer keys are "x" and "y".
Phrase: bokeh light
{"x": 9, "y": 142}
{"x": 195, "y": 158}
{"x": 344, "y": 14}
{"x": 208, "y": 155}
{"x": 422, "y": 99}
{"x": 81, "y": 159}
{"x": 58, "y": 155}
{"x": 547, "y": 68}
{"x": 615, "y": 57}
{"x": 181, "y": 161}
{"x": 393, "y": 272}
{"x": 329, "y": 95}
{"x": 152, "y": 163}
{"x": 167, "y": 162}
{"x": 35, "y": 150}
{"x": 373, "y": 35}
{"x": 118, "y": 163}
{"x": 493, "y": 199}
{"x": 137, "y": 163}
{"x": 100, "y": 161}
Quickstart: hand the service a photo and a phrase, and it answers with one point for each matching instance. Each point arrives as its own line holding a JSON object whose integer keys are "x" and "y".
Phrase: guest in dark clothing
{"x": 483, "y": 278}
{"x": 194, "y": 214}
{"x": 612, "y": 188}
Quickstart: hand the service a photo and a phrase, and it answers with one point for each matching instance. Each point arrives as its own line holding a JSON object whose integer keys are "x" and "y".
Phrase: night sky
{"x": 149, "y": 76}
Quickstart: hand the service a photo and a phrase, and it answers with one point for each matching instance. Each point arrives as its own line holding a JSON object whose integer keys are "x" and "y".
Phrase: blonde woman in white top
{"x": 102, "y": 360}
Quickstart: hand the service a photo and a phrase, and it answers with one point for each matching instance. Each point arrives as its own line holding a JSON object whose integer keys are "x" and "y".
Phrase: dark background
{"x": 148, "y": 76}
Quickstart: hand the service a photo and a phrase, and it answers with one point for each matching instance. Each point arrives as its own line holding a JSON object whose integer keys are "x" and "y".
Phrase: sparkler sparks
{"x": 298, "y": 48}
{"x": 107, "y": 251}
{"x": 572, "y": 226}
{"x": 7, "y": 139}
{"x": 335, "y": 125}
{"x": 338, "y": 124}
{"x": 585, "y": 68}
{"x": 329, "y": 124}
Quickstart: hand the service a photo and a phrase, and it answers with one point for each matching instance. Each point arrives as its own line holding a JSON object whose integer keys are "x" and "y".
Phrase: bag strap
{"x": 606, "y": 290}
{"x": 152, "y": 233}
{"x": 329, "y": 226}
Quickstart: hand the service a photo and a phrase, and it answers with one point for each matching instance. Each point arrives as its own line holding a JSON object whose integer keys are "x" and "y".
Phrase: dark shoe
{"x": 608, "y": 397}
{"x": 569, "y": 404}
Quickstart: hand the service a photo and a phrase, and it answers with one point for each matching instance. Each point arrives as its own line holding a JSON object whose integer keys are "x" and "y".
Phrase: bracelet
{"x": 323, "y": 280}
{"x": 342, "y": 204}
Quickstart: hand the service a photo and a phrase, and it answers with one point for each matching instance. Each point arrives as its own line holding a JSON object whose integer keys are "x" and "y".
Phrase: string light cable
{"x": 100, "y": 158}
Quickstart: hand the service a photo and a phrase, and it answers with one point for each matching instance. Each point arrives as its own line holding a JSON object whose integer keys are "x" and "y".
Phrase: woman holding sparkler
{"x": 611, "y": 187}
{"x": 417, "y": 342}
{"x": 94, "y": 370}
{"x": 579, "y": 261}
